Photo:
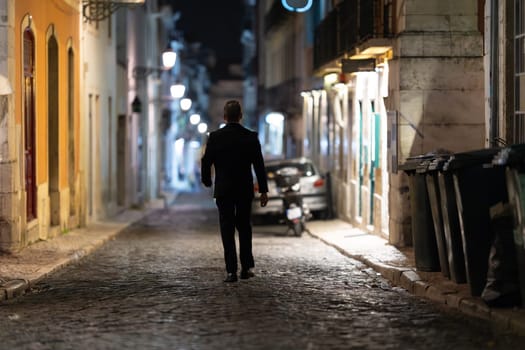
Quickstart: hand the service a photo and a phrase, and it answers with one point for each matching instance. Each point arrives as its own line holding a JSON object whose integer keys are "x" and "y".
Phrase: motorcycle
{"x": 295, "y": 212}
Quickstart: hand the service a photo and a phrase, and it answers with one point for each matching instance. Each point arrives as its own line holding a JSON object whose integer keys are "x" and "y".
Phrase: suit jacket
{"x": 232, "y": 150}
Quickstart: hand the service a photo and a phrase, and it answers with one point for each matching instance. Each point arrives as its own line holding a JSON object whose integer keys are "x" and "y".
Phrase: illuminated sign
{"x": 297, "y": 5}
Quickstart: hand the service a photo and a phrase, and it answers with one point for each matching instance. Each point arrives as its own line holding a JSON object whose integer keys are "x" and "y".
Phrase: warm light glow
{"x": 195, "y": 119}
{"x": 177, "y": 90}
{"x": 331, "y": 78}
{"x": 202, "y": 127}
{"x": 185, "y": 104}
{"x": 274, "y": 118}
{"x": 376, "y": 50}
{"x": 169, "y": 58}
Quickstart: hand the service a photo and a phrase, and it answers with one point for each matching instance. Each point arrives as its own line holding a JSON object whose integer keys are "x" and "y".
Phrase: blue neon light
{"x": 305, "y": 8}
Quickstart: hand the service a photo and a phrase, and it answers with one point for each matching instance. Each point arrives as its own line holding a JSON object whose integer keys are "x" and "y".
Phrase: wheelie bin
{"x": 423, "y": 235}
{"x": 431, "y": 168}
{"x": 513, "y": 159}
{"x": 451, "y": 225}
{"x": 478, "y": 186}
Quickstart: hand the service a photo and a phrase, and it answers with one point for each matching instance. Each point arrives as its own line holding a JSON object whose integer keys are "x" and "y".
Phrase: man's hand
{"x": 264, "y": 199}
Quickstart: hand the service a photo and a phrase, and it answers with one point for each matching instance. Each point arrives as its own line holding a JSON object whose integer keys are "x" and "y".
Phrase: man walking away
{"x": 233, "y": 150}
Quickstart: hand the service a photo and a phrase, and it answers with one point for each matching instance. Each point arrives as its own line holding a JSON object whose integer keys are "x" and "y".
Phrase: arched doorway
{"x": 52, "y": 115}
{"x": 29, "y": 123}
{"x": 71, "y": 129}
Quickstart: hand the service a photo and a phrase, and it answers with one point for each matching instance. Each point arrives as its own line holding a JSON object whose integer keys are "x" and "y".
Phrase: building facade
{"x": 72, "y": 148}
{"x": 40, "y": 123}
{"x": 379, "y": 81}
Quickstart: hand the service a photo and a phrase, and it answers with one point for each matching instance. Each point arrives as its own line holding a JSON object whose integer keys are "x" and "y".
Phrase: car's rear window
{"x": 305, "y": 169}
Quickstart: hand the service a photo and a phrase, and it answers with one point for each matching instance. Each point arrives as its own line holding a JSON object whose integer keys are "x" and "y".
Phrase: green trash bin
{"x": 431, "y": 169}
{"x": 478, "y": 186}
{"x": 451, "y": 225}
{"x": 513, "y": 158}
{"x": 423, "y": 235}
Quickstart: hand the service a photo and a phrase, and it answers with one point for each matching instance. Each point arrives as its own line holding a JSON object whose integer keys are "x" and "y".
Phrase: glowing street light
{"x": 169, "y": 58}
{"x": 185, "y": 104}
{"x": 274, "y": 118}
{"x": 195, "y": 119}
{"x": 202, "y": 128}
{"x": 177, "y": 90}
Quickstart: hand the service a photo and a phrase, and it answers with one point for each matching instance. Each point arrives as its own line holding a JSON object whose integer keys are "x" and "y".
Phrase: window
{"x": 518, "y": 122}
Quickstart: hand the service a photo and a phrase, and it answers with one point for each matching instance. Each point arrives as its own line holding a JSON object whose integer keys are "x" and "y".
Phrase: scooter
{"x": 295, "y": 213}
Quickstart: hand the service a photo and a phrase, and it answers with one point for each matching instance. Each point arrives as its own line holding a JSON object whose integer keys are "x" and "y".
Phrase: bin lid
{"x": 513, "y": 155}
{"x": 411, "y": 163}
{"x": 423, "y": 166}
{"x": 471, "y": 158}
{"x": 421, "y": 163}
{"x": 439, "y": 162}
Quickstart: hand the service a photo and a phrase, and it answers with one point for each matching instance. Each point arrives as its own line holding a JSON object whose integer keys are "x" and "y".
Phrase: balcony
{"x": 351, "y": 24}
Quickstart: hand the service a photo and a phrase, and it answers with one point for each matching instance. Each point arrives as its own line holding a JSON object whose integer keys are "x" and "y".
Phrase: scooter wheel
{"x": 298, "y": 229}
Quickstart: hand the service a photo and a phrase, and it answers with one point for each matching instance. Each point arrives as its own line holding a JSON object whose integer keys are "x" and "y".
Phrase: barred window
{"x": 518, "y": 122}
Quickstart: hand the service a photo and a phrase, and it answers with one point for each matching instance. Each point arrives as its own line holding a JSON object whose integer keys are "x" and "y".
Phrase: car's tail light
{"x": 255, "y": 188}
{"x": 319, "y": 183}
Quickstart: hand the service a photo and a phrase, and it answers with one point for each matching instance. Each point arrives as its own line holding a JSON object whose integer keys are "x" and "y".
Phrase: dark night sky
{"x": 215, "y": 23}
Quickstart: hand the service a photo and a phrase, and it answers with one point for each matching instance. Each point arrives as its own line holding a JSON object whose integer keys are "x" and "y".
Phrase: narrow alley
{"x": 158, "y": 285}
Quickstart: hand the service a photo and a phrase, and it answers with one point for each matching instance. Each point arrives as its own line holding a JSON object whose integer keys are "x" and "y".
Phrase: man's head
{"x": 232, "y": 111}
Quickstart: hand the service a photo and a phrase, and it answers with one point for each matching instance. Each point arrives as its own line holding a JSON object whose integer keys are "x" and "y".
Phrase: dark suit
{"x": 232, "y": 151}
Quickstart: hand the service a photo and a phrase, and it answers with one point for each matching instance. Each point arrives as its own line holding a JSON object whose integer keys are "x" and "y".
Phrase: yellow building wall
{"x": 65, "y": 19}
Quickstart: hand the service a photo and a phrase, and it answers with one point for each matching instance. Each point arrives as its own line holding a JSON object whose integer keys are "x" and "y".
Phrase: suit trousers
{"x": 236, "y": 213}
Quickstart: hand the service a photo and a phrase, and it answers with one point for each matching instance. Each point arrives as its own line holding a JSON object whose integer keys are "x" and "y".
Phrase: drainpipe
{"x": 494, "y": 73}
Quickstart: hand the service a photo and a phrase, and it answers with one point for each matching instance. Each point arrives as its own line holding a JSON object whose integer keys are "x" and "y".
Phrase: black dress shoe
{"x": 231, "y": 277}
{"x": 245, "y": 274}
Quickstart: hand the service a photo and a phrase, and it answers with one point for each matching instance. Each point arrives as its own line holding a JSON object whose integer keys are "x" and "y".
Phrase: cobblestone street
{"x": 158, "y": 285}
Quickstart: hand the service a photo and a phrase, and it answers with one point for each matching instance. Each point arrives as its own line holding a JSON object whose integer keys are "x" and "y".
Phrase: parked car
{"x": 313, "y": 189}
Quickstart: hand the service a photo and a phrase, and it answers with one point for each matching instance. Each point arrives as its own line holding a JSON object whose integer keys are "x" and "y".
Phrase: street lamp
{"x": 169, "y": 58}
{"x": 202, "y": 128}
{"x": 177, "y": 90}
{"x": 185, "y": 104}
{"x": 195, "y": 119}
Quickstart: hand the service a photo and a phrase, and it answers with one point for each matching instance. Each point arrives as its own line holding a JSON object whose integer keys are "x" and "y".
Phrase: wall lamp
{"x": 169, "y": 58}
{"x": 177, "y": 90}
{"x": 98, "y": 10}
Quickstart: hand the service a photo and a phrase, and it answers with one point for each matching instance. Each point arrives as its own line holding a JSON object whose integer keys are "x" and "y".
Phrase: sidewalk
{"x": 398, "y": 266}
{"x": 20, "y": 271}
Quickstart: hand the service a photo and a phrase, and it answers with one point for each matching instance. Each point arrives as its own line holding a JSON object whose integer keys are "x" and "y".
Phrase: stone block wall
{"x": 437, "y": 87}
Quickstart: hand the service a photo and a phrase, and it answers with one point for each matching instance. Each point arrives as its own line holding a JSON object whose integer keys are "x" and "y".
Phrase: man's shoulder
{"x": 235, "y": 129}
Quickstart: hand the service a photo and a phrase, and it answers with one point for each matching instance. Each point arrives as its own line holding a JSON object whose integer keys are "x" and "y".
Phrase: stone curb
{"x": 410, "y": 280}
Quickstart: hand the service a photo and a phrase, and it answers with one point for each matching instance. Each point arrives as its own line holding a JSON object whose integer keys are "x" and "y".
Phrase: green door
{"x": 375, "y": 132}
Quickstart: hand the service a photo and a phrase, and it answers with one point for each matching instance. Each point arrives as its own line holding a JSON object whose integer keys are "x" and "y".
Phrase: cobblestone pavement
{"x": 158, "y": 285}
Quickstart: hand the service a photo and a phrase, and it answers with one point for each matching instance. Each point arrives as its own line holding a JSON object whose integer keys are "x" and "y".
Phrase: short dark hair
{"x": 232, "y": 111}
